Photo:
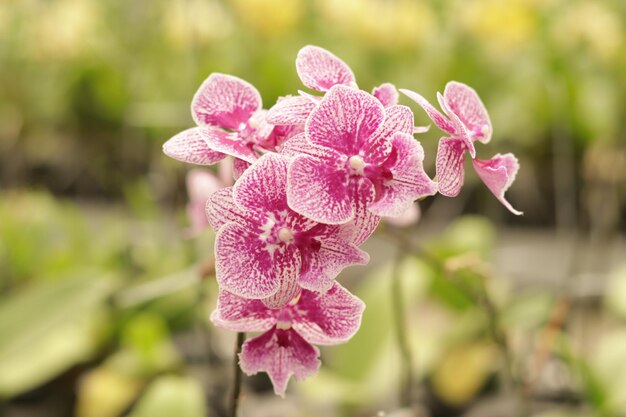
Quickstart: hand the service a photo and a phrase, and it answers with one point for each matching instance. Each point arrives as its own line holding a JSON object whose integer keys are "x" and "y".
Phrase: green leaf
{"x": 171, "y": 396}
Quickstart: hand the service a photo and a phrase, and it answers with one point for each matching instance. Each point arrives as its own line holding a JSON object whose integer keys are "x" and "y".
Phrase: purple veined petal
{"x": 319, "y": 191}
{"x": 300, "y": 145}
{"x": 291, "y": 111}
{"x": 330, "y": 318}
{"x": 408, "y": 217}
{"x": 450, "y": 167}
{"x": 498, "y": 173}
{"x": 280, "y": 353}
{"x": 363, "y": 225}
{"x": 397, "y": 119}
{"x": 287, "y": 291}
{"x": 420, "y": 129}
{"x": 220, "y": 209}
{"x": 464, "y": 102}
{"x": 239, "y": 167}
{"x": 439, "y": 119}
{"x": 229, "y": 143}
{"x": 225, "y": 101}
{"x": 241, "y": 314}
{"x": 262, "y": 188}
{"x": 189, "y": 146}
{"x": 345, "y": 120}
{"x": 319, "y": 69}
{"x": 320, "y": 268}
{"x": 248, "y": 266}
{"x": 387, "y": 94}
{"x": 409, "y": 182}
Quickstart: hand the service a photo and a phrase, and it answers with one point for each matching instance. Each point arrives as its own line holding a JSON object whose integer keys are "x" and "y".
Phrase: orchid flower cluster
{"x": 314, "y": 175}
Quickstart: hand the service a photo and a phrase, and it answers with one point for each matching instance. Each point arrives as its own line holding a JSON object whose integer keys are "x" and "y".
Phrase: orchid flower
{"x": 355, "y": 153}
{"x": 264, "y": 249}
{"x": 286, "y": 346}
{"x": 467, "y": 122}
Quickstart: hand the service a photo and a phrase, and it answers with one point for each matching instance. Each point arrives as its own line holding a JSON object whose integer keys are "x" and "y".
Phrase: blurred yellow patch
{"x": 269, "y": 17}
{"x": 195, "y": 21}
{"x": 106, "y": 393}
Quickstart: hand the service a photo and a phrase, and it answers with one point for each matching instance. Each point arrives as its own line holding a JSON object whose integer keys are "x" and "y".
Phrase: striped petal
{"x": 450, "y": 166}
{"x": 189, "y": 146}
{"x": 319, "y": 69}
{"x": 498, "y": 173}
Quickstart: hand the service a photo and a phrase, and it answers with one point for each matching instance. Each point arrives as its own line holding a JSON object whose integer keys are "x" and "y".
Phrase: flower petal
{"x": 320, "y": 268}
{"x": 345, "y": 120}
{"x": 241, "y": 314}
{"x": 239, "y": 167}
{"x": 248, "y": 266}
{"x": 224, "y": 101}
{"x": 439, "y": 119}
{"x": 364, "y": 223}
{"x": 409, "y": 182}
{"x": 291, "y": 111}
{"x": 189, "y": 146}
{"x": 386, "y": 93}
{"x": 498, "y": 173}
{"x": 229, "y": 143}
{"x": 450, "y": 166}
{"x": 463, "y": 101}
{"x": 280, "y": 353}
{"x": 397, "y": 119}
{"x": 329, "y": 318}
{"x": 319, "y": 69}
{"x": 221, "y": 209}
{"x": 319, "y": 191}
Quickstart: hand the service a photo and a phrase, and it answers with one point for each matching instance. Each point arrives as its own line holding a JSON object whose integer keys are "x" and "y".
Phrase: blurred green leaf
{"x": 170, "y": 396}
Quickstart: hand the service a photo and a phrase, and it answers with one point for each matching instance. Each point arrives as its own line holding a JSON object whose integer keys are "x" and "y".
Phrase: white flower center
{"x": 283, "y": 325}
{"x": 357, "y": 163}
{"x": 285, "y": 235}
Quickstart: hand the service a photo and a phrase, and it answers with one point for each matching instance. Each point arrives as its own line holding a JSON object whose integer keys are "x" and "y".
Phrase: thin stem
{"x": 234, "y": 399}
{"x": 399, "y": 320}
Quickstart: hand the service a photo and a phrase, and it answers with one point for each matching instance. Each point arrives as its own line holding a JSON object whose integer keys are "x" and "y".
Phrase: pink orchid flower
{"x": 320, "y": 70}
{"x": 230, "y": 119}
{"x": 467, "y": 122}
{"x": 355, "y": 154}
{"x": 286, "y": 346}
{"x": 264, "y": 249}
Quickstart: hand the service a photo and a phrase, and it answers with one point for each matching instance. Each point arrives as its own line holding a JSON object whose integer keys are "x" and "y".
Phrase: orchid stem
{"x": 397, "y": 303}
{"x": 234, "y": 400}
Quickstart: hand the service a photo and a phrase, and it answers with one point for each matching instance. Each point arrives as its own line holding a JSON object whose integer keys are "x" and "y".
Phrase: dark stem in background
{"x": 399, "y": 321}
{"x": 237, "y": 376}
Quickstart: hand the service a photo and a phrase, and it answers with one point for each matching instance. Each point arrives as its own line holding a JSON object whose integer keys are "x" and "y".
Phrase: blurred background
{"x": 105, "y": 293}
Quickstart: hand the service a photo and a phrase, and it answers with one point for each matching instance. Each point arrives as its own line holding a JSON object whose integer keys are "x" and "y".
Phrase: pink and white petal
{"x": 229, "y": 143}
{"x": 420, "y": 129}
{"x": 241, "y": 314}
{"x": 286, "y": 292}
{"x": 319, "y": 69}
{"x": 439, "y": 119}
{"x": 498, "y": 173}
{"x": 408, "y": 217}
{"x": 201, "y": 183}
{"x": 464, "y": 102}
{"x": 320, "y": 268}
{"x": 450, "y": 167}
{"x": 221, "y": 209}
{"x": 291, "y": 111}
{"x": 262, "y": 188}
{"x": 189, "y": 146}
{"x": 225, "y": 101}
{"x": 280, "y": 353}
{"x": 329, "y": 318}
{"x": 300, "y": 145}
{"x": 397, "y": 119}
{"x": 248, "y": 266}
{"x": 345, "y": 120}
{"x": 225, "y": 172}
{"x": 319, "y": 191}
{"x": 362, "y": 226}
{"x": 461, "y": 131}
{"x": 387, "y": 94}
{"x": 239, "y": 167}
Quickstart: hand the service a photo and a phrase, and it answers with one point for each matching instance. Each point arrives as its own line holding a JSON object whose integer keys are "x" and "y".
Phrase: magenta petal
{"x": 221, "y": 209}
{"x": 300, "y": 145}
{"x": 320, "y": 70}
{"x": 464, "y": 102}
{"x": 262, "y": 188}
{"x": 291, "y": 111}
{"x": 248, "y": 266}
{"x": 439, "y": 119}
{"x": 345, "y": 120}
{"x": 450, "y": 166}
{"x": 224, "y": 101}
{"x": 329, "y": 318}
{"x": 397, "y": 119}
{"x": 189, "y": 146}
{"x": 319, "y": 191}
{"x": 280, "y": 353}
{"x": 239, "y": 167}
{"x": 409, "y": 182}
{"x": 386, "y": 93}
{"x": 241, "y": 314}
{"x": 363, "y": 225}
{"x": 320, "y": 268}
{"x": 287, "y": 291}
{"x": 229, "y": 143}
{"x": 498, "y": 173}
